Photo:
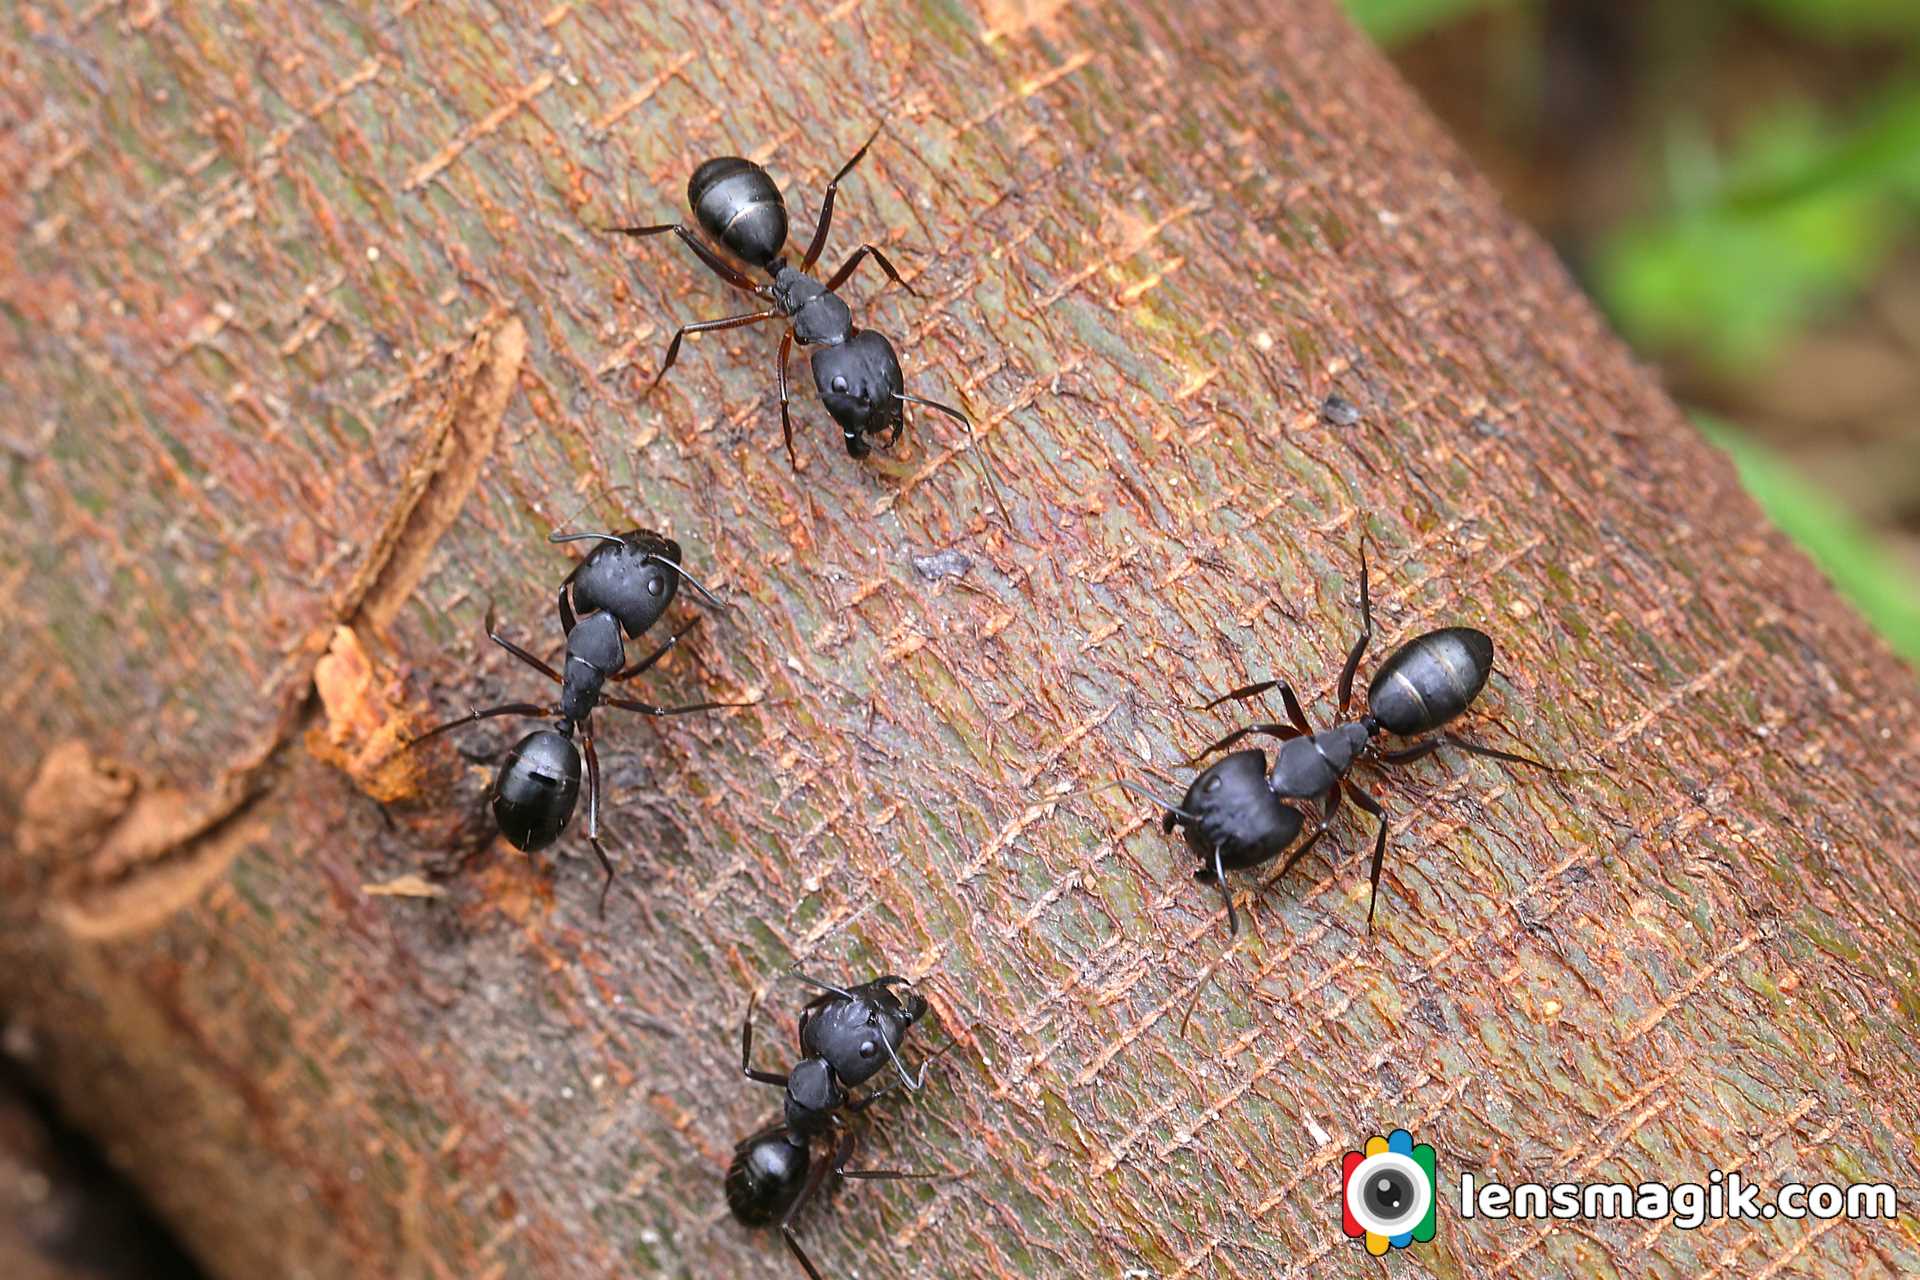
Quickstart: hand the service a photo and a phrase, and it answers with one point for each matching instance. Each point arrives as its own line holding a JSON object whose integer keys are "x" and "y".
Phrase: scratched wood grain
{"x": 309, "y": 339}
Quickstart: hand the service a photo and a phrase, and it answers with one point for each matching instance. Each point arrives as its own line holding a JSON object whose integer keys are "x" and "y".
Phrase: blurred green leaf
{"x": 1882, "y": 153}
{"x": 1391, "y": 22}
{"x": 1842, "y": 20}
{"x": 1860, "y": 568}
{"x": 1732, "y": 287}
{"x": 1796, "y": 220}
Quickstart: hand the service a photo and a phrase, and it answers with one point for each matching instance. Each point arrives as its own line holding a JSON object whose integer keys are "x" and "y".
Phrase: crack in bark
{"x": 127, "y": 850}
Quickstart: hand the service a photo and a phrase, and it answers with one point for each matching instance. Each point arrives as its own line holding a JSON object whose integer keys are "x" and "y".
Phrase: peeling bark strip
{"x": 459, "y": 426}
{"x": 135, "y": 850}
{"x": 280, "y": 293}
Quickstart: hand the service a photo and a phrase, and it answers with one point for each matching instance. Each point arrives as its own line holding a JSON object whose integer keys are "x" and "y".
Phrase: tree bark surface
{"x": 310, "y": 339}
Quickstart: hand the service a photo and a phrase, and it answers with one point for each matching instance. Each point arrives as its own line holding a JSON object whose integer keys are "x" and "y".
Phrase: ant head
{"x": 1230, "y": 808}
{"x": 859, "y": 1030}
{"x": 860, "y": 383}
{"x": 633, "y": 576}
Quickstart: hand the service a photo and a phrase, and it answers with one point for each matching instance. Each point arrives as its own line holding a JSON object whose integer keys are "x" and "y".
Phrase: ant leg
{"x": 504, "y": 709}
{"x": 826, "y": 205}
{"x": 1280, "y": 731}
{"x": 871, "y": 1175}
{"x": 1474, "y": 748}
{"x": 627, "y": 673}
{"x": 1366, "y": 634}
{"x": 1331, "y": 805}
{"x": 786, "y": 414}
{"x": 1301, "y": 852}
{"x": 1294, "y": 711}
{"x": 864, "y": 251}
{"x": 514, "y": 649}
{"x": 799, "y": 1254}
{"x": 861, "y": 1104}
{"x": 1432, "y": 745}
{"x": 1372, "y": 806}
{"x": 707, "y": 326}
{"x": 648, "y": 709}
{"x": 593, "y": 819}
{"x": 715, "y": 263}
{"x": 811, "y": 1187}
{"x": 1414, "y": 752}
{"x": 1328, "y": 809}
{"x": 746, "y": 1051}
{"x": 879, "y": 1174}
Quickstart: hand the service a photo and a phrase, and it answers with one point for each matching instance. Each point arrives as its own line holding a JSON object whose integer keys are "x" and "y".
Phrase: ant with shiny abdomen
{"x": 1239, "y": 814}
{"x": 847, "y": 1035}
{"x": 856, "y": 371}
{"x": 623, "y": 585}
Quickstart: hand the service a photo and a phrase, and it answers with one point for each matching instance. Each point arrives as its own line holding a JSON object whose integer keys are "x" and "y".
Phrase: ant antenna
{"x": 911, "y": 1083}
{"x": 1135, "y": 789}
{"x": 986, "y": 469}
{"x": 582, "y": 537}
{"x": 1130, "y": 787}
{"x": 818, "y": 985}
{"x": 674, "y": 565}
{"x": 693, "y": 582}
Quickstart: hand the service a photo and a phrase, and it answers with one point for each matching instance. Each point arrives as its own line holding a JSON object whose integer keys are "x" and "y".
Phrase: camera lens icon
{"x": 1387, "y": 1192}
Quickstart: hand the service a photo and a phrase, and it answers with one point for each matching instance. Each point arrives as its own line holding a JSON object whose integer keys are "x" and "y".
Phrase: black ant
{"x": 847, "y": 1035}
{"x": 624, "y": 584}
{"x": 1237, "y": 814}
{"x": 855, "y": 370}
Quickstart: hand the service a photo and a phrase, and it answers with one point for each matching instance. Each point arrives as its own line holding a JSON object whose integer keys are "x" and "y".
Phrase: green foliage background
{"x": 1753, "y": 230}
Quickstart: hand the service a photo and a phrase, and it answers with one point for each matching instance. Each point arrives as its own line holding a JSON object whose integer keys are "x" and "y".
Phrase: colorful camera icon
{"x": 1387, "y": 1192}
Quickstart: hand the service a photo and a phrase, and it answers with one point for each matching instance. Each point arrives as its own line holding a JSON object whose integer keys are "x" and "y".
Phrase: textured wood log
{"x": 309, "y": 340}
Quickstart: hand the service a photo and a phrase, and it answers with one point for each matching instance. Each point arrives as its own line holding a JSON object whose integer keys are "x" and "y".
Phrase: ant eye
{"x": 1213, "y": 784}
{"x": 868, "y": 1048}
{"x": 653, "y": 586}
{"x": 840, "y": 385}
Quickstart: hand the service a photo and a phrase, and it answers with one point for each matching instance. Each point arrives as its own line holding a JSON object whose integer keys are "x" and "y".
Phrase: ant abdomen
{"x": 536, "y": 789}
{"x": 1430, "y": 680}
{"x": 737, "y": 203}
{"x": 765, "y": 1177}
